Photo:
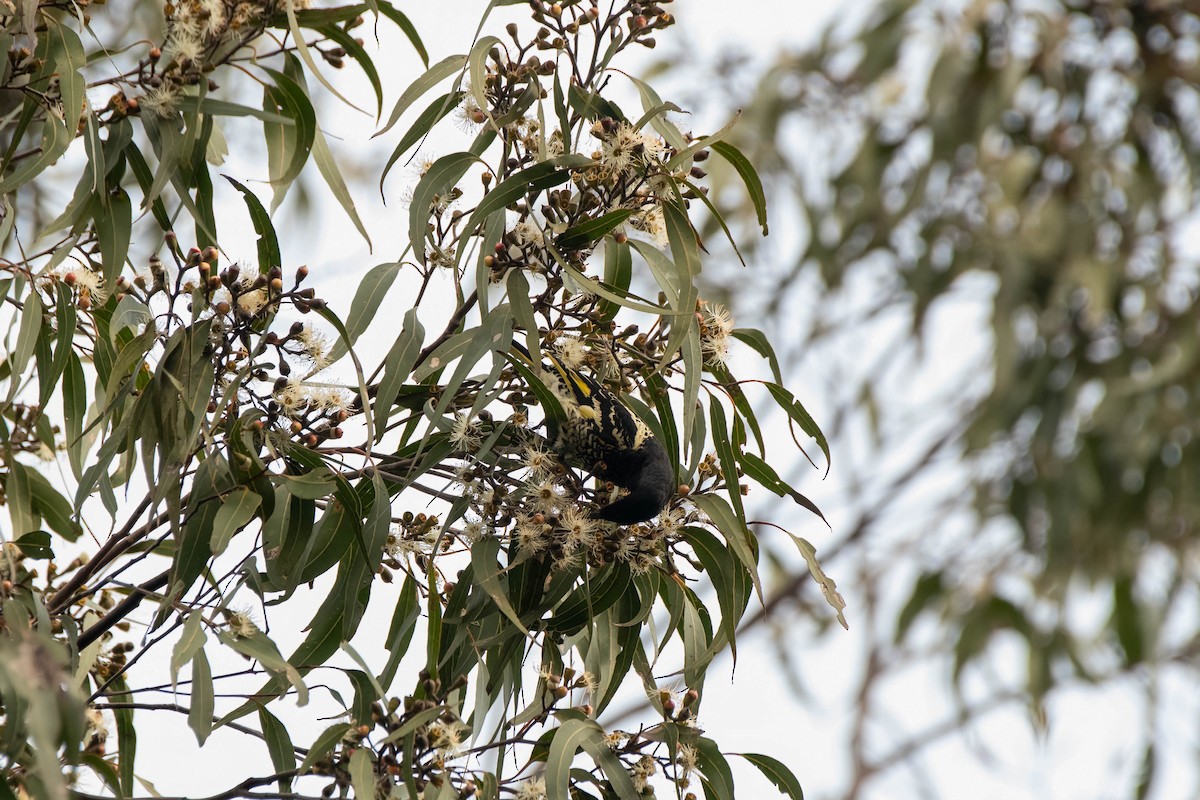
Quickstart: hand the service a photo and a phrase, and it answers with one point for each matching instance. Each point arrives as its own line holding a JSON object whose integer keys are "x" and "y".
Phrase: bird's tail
{"x": 520, "y": 348}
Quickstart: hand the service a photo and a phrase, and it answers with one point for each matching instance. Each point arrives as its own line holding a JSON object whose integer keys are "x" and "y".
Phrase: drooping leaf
{"x": 200, "y": 714}
{"x": 749, "y": 175}
{"x": 268, "y": 242}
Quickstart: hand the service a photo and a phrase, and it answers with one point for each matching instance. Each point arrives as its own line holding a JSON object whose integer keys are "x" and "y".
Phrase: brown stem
{"x": 451, "y": 326}
{"x": 300, "y": 751}
{"x": 123, "y": 609}
{"x": 241, "y": 790}
{"x": 103, "y": 556}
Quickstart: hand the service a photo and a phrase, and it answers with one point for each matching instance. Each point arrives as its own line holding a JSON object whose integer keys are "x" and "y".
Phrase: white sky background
{"x": 754, "y": 710}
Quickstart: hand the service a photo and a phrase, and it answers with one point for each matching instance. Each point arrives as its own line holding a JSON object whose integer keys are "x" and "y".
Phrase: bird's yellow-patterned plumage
{"x": 603, "y": 436}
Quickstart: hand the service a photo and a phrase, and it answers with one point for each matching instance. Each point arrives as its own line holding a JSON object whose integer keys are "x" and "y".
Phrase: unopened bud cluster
{"x": 438, "y": 744}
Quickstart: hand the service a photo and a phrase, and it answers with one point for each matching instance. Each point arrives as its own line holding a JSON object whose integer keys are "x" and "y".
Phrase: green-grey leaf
{"x": 432, "y": 77}
{"x": 337, "y": 184}
{"x": 236, "y": 511}
{"x": 749, "y": 176}
{"x": 279, "y": 746}
{"x": 777, "y": 773}
{"x": 371, "y": 291}
{"x": 739, "y": 539}
{"x": 191, "y": 640}
{"x": 200, "y": 715}
{"x": 323, "y": 746}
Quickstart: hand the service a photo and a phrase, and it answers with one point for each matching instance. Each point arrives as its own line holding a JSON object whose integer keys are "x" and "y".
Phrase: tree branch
{"x": 122, "y": 609}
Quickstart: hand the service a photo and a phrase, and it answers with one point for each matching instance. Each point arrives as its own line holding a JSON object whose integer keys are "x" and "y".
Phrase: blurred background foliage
{"x": 984, "y": 240}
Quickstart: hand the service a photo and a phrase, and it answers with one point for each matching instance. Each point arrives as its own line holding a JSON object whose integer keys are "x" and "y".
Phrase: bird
{"x": 601, "y": 435}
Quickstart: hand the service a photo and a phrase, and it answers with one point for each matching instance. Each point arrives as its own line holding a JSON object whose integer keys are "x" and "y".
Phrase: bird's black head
{"x": 649, "y": 490}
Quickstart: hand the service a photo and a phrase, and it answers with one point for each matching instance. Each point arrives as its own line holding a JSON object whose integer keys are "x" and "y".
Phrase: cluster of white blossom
{"x": 296, "y": 397}
{"x": 198, "y": 31}
{"x": 716, "y": 326}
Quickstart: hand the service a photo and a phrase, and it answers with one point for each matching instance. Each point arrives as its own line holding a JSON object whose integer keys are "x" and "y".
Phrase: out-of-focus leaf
{"x": 60, "y": 54}
{"x": 362, "y": 772}
{"x": 928, "y": 588}
{"x": 35, "y": 544}
{"x": 126, "y": 735}
{"x": 1127, "y": 621}
{"x": 102, "y": 769}
{"x": 50, "y": 506}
